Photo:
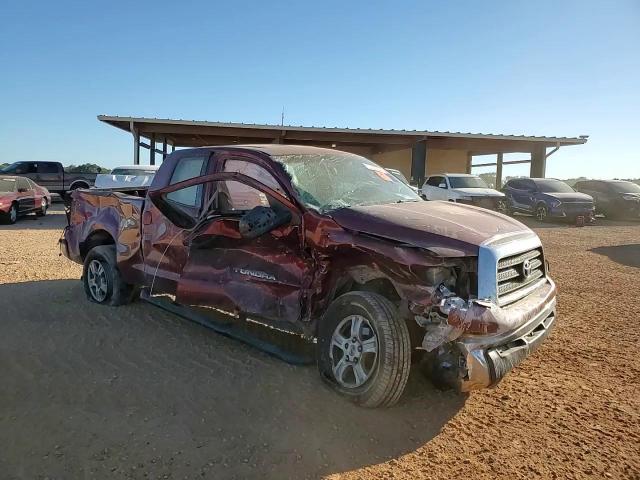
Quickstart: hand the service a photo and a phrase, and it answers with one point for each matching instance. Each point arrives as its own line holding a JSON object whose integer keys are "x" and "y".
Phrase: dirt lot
{"x": 133, "y": 392}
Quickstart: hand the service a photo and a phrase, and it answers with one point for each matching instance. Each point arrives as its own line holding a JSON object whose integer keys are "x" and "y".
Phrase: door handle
{"x": 147, "y": 218}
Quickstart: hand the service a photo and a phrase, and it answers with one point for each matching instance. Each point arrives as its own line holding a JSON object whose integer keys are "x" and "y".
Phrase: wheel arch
{"x": 96, "y": 238}
{"x": 79, "y": 184}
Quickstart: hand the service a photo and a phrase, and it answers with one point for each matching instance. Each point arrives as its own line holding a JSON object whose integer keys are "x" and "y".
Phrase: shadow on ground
{"x": 628, "y": 255}
{"x": 54, "y": 220}
{"x": 135, "y": 392}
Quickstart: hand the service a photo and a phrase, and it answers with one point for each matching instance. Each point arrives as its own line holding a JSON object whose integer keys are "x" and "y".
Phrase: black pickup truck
{"x": 51, "y": 175}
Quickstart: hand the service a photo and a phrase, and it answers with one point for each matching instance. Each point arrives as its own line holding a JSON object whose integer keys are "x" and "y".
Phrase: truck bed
{"x": 99, "y": 214}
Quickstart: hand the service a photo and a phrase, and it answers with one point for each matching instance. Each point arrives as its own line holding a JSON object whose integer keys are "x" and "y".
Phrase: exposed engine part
{"x": 438, "y": 330}
{"x": 446, "y": 367}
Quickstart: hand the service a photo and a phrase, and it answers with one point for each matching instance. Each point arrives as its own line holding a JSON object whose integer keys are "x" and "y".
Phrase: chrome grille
{"x": 519, "y": 271}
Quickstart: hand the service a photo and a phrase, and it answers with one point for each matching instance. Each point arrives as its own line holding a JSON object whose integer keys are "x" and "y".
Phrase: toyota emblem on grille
{"x": 526, "y": 268}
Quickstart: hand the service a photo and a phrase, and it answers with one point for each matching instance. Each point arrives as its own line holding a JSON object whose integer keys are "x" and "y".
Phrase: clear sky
{"x": 536, "y": 67}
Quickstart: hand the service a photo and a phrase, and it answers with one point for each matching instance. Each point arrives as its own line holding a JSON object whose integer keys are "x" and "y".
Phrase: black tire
{"x": 390, "y": 372}
{"x": 503, "y": 207}
{"x": 117, "y": 292}
{"x": 43, "y": 208}
{"x": 11, "y": 216}
{"x": 542, "y": 212}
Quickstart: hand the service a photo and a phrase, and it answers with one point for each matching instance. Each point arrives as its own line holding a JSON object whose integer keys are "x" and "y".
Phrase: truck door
{"x": 164, "y": 231}
{"x": 261, "y": 275}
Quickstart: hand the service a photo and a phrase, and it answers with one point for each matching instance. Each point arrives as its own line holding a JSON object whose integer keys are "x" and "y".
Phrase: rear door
{"x": 49, "y": 175}
{"x": 264, "y": 278}
{"x": 165, "y": 228}
{"x": 522, "y": 195}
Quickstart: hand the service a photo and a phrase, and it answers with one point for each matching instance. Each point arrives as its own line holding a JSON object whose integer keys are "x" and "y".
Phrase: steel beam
{"x": 538, "y": 162}
{"x": 499, "y": 171}
{"x": 418, "y": 163}
{"x": 152, "y": 149}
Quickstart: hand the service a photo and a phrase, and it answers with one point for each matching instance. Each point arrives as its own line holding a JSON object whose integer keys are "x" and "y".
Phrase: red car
{"x": 19, "y": 196}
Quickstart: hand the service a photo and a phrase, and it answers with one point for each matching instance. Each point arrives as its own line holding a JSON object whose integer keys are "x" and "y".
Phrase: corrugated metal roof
{"x": 114, "y": 120}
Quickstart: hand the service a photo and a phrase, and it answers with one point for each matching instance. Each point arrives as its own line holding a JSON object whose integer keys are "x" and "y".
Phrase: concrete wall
{"x": 446, "y": 161}
{"x": 400, "y": 160}
{"x": 438, "y": 161}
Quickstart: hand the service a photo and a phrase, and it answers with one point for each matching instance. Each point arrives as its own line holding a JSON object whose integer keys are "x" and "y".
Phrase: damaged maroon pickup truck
{"x": 328, "y": 248}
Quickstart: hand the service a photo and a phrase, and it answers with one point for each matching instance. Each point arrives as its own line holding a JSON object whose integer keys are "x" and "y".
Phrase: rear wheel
{"x": 102, "y": 280}
{"x": 364, "y": 350}
{"x": 542, "y": 212}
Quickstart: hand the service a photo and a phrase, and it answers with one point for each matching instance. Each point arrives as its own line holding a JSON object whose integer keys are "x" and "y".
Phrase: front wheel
{"x": 364, "y": 350}
{"x": 503, "y": 207}
{"x": 102, "y": 280}
{"x": 11, "y": 216}
{"x": 44, "y": 206}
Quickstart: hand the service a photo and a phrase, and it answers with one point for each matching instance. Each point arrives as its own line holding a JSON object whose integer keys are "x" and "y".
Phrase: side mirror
{"x": 22, "y": 190}
{"x": 257, "y": 221}
{"x": 442, "y": 185}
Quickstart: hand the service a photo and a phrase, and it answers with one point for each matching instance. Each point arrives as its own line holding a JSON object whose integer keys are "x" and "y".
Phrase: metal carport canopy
{"x": 190, "y": 133}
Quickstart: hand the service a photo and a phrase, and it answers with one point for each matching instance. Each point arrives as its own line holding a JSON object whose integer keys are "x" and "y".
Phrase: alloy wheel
{"x": 13, "y": 214}
{"x": 541, "y": 212}
{"x": 97, "y": 281}
{"x": 353, "y": 351}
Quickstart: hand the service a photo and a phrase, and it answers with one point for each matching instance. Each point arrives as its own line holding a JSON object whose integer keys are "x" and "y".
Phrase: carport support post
{"x": 499, "y": 171}
{"x": 418, "y": 163}
{"x": 538, "y": 161}
{"x": 164, "y": 148}
{"x": 152, "y": 149}
{"x": 136, "y": 148}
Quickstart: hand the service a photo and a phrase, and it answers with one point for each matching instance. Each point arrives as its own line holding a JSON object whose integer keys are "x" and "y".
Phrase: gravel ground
{"x": 134, "y": 392}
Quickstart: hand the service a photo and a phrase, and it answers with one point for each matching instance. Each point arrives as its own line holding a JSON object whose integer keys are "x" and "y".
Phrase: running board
{"x": 235, "y": 331}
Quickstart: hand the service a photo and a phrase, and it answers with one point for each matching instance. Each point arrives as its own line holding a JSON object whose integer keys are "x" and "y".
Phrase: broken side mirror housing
{"x": 258, "y": 221}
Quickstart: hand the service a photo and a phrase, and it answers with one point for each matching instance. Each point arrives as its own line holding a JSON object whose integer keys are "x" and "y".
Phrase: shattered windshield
{"x": 7, "y": 185}
{"x": 330, "y": 181}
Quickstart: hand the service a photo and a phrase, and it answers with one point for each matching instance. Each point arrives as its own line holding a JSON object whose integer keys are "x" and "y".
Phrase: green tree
{"x": 86, "y": 168}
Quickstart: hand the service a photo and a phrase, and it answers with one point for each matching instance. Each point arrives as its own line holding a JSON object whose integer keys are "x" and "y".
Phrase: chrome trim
{"x": 491, "y": 251}
{"x": 476, "y": 349}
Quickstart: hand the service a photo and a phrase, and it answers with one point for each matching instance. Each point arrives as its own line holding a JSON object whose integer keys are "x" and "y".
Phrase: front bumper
{"x": 569, "y": 211}
{"x": 487, "y": 359}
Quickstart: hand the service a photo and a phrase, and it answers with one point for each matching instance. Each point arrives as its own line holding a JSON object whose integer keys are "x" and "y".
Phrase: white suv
{"x": 462, "y": 188}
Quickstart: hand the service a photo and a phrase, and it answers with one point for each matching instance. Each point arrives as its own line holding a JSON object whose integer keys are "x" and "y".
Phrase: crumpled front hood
{"x": 446, "y": 228}
{"x": 478, "y": 192}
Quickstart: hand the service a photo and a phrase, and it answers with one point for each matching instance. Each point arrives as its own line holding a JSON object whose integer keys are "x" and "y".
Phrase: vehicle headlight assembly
{"x": 555, "y": 203}
{"x": 630, "y": 196}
